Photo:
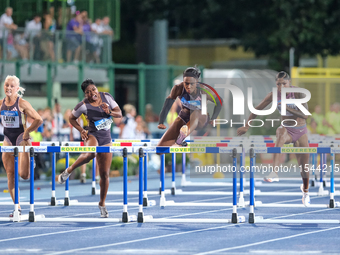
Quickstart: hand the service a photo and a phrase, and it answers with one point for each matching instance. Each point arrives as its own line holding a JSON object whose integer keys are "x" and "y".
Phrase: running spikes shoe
{"x": 272, "y": 177}
{"x": 12, "y": 213}
{"x": 305, "y": 197}
{"x": 63, "y": 177}
{"x": 103, "y": 212}
{"x": 180, "y": 138}
{"x": 83, "y": 178}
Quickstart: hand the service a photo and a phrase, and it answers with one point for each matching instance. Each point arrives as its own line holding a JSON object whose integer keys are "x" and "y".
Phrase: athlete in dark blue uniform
{"x": 190, "y": 93}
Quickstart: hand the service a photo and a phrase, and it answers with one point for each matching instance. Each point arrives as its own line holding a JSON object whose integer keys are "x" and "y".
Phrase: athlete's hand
{"x": 106, "y": 108}
{"x": 161, "y": 126}
{"x": 84, "y": 135}
{"x": 242, "y": 130}
{"x": 26, "y": 136}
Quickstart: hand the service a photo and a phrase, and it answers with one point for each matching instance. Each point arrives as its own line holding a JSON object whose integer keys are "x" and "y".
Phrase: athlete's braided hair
{"x": 282, "y": 75}
{"x": 192, "y": 72}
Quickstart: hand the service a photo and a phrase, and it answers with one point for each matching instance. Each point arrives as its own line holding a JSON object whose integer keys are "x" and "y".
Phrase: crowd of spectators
{"x": 38, "y": 40}
{"x": 325, "y": 124}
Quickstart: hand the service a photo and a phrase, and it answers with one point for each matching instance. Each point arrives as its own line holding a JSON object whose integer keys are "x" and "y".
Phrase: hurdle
{"x": 16, "y": 215}
{"x": 228, "y": 143}
{"x": 94, "y": 190}
{"x": 233, "y": 151}
{"x": 89, "y": 149}
{"x": 253, "y": 219}
{"x": 233, "y": 142}
{"x": 234, "y": 218}
{"x": 114, "y": 149}
{"x": 42, "y": 146}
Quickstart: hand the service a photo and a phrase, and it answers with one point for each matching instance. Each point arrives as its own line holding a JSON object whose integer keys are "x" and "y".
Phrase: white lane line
{"x": 158, "y": 237}
{"x": 137, "y": 240}
{"x": 267, "y": 241}
{"x": 59, "y": 232}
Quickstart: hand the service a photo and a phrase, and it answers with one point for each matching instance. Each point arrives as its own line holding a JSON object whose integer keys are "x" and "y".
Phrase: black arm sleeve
{"x": 165, "y": 110}
{"x": 217, "y": 109}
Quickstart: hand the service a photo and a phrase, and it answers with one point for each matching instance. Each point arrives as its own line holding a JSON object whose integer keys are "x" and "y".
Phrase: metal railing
{"x": 59, "y": 46}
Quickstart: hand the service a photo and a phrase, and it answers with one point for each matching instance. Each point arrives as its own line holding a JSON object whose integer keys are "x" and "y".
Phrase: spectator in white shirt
{"x": 6, "y": 23}
{"x": 97, "y": 42}
{"x": 33, "y": 33}
{"x": 128, "y": 124}
{"x": 106, "y": 26}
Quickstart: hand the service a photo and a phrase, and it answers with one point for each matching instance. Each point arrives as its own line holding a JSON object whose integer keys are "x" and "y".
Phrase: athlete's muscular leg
{"x": 303, "y": 160}
{"x": 84, "y": 157}
{"x": 197, "y": 120}
{"x": 24, "y": 161}
{"x": 104, "y": 163}
{"x": 172, "y": 133}
{"x": 282, "y": 137}
{"x": 8, "y": 160}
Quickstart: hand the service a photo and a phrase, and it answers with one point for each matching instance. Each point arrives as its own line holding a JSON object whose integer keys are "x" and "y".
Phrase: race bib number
{"x": 103, "y": 124}
{"x": 10, "y": 119}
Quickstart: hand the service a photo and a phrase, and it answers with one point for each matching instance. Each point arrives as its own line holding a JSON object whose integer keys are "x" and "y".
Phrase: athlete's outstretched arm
{"x": 175, "y": 92}
{"x": 264, "y": 103}
{"x": 29, "y": 111}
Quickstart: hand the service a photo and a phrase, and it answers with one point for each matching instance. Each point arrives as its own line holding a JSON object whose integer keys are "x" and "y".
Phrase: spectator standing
{"x": 128, "y": 125}
{"x": 97, "y": 42}
{"x": 33, "y": 34}
{"x": 331, "y": 120}
{"x": 321, "y": 123}
{"x": 74, "y": 32}
{"x": 11, "y": 51}
{"x": 87, "y": 31}
{"x": 47, "y": 124}
{"x": 107, "y": 30}
{"x": 150, "y": 116}
{"x": 6, "y": 23}
{"x": 58, "y": 121}
{"x": 48, "y": 37}
{"x": 142, "y": 130}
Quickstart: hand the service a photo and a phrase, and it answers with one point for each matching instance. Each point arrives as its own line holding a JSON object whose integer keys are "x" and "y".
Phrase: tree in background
{"x": 269, "y": 27}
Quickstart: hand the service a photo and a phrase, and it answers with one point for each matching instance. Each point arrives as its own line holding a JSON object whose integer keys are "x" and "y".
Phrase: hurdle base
{"x": 53, "y": 201}
{"x": 160, "y": 191}
{"x": 140, "y": 217}
{"x": 324, "y": 183}
{"x": 162, "y": 201}
{"x": 173, "y": 191}
{"x": 66, "y": 201}
{"x": 93, "y": 191}
{"x": 331, "y": 203}
{"x": 312, "y": 183}
{"x": 125, "y": 217}
{"x": 145, "y": 201}
{"x": 234, "y": 218}
{"x": 251, "y": 218}
{"x": 241, "y": 202}
{"x": 31, "y": 217}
